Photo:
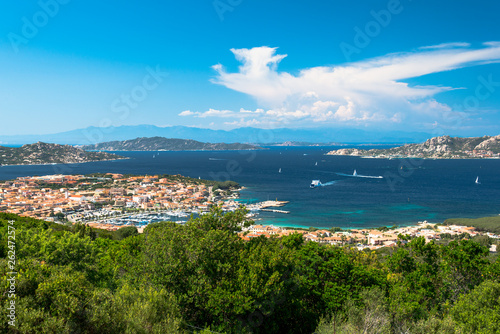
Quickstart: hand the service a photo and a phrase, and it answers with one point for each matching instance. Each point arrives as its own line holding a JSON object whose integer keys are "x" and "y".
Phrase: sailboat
{"x": 316, "y": 163}
{"x": 355, "y": 174}
{"x": 279, "y": 171}
{"x": 477, "y": 180}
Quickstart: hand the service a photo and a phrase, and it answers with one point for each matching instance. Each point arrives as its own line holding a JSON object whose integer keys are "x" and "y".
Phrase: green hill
{"x": 166, "y": 144}
{"x": 488, "y": 224}
{"x": 43, "y": 153}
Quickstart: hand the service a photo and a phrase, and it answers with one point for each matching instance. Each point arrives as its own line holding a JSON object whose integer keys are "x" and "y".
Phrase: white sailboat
{"x": 316, "y": 163}
{"x": 477, "y": 180}
{"x": 355, "y": 173}
{"x": 279, "y": 171}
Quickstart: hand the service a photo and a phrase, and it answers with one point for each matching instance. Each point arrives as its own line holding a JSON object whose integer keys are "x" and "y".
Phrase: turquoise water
{"x": 410, "y": 191}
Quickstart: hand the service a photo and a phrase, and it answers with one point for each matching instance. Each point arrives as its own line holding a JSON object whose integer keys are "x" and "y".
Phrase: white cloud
{"x": 244, "y": 123}
{"x": 367, "y": 92}
{"x": 446, "y": 46}
{"x": 187, "y": 113}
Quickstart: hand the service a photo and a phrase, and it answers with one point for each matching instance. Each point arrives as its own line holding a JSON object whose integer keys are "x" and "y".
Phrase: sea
{"x": 410, "y": 190}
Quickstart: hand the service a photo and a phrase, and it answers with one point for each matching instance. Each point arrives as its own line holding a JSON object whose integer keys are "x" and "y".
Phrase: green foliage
{"x": 126, "y": 232}
{"x": 331, "y": 276}
{"x": 479, "y": 311}
{"x": 293, "y": 241}
{"x": 368, "y": 316}
{"x": 489, "y": 224}
{"x": 483, "y": 240}
{"x": 132, "y": 310}
{"x": 463, "y": 265}
{"x": 372, "y": 315}
{"x": 226, "y": 185}
{"x": 435, "y": 325}
{"x": 202, "y": 277}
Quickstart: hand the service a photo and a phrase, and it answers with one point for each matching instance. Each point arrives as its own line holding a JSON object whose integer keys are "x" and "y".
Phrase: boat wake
{"x": 355, "y": 174}
{"x": 328, "y": 183}
{"x": 317, "y": 183}
{"x": 362, "y": 176}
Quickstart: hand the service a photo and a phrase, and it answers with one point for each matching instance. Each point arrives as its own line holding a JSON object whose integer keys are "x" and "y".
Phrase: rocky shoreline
{"x": 444, "y": 147}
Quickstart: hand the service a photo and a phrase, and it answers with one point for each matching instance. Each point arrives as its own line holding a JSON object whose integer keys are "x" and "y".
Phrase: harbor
{"x": 114, "y": 219}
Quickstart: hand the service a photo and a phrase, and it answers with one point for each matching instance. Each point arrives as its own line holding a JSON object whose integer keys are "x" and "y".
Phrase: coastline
{"x": 399, "y": 226}
{"x": 410, "y": 157}
{"x": 305, "y": 227}
{"x": 163, "y": 150}
{"x": 64, "y": 163}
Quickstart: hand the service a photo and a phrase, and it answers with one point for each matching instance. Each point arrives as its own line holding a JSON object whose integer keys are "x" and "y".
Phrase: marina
{"x": 140, "y": 219}
{"x": 114, "y": 219}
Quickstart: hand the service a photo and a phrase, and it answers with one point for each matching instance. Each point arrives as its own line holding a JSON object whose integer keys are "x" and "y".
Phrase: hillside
{"x": 488, "y": 224}
{"x": 444, "y": 147}
{"x": 165, "y": 144}
{"x": 201, "y": 277}
{"x": 43, "y": 153}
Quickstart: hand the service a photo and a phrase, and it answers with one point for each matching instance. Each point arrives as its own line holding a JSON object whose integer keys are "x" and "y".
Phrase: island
{"x": 166, "y": 144}
{"x": 444, "y": 147}
{"x": 44, "y": 153}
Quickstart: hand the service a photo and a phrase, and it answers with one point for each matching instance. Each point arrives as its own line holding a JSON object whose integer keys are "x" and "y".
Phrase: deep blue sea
{"x": 411, "y": 190}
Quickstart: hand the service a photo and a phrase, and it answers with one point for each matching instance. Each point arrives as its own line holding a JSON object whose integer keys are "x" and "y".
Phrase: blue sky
{"x": 420, "y": 65}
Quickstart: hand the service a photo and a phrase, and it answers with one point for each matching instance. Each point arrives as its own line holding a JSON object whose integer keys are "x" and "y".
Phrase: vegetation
{"x": 202, "y": 277}
{"x": 223, "y": 185}
{"x": 487, "y": 224}
{"x": 166, "y": 144}
{"x": 43, "y": 153}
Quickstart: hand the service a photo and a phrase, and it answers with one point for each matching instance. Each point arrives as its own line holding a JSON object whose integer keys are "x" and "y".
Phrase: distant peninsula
{"x": 166, "y": 144}
{"x": 43, "y": 153}
{"x": 444, "y": 147}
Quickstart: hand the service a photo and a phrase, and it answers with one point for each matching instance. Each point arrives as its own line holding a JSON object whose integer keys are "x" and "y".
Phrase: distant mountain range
{"x": 444, "y": 147}
{"x": 94, "y": 135}
{"x": 165, "y": 144}
{"x": 42, "y": 153}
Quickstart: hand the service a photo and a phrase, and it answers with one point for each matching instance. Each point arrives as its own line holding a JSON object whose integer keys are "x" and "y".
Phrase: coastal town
{"x": 368, "y": 238}
{"x": 96, "y": 199}
{"x": 112, "y": 201}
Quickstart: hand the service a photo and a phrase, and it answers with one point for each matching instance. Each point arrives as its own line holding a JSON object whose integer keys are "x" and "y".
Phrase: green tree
{"x": 479, "y": 310}
{"x": 331, "y": 276}
{"x": 368, "y": 316}
{"x": 126, "y": 232}
{"x": 463, "y": 263}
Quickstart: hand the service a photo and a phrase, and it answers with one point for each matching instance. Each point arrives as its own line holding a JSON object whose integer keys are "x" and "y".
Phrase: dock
{"x": 264, "y": 206}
